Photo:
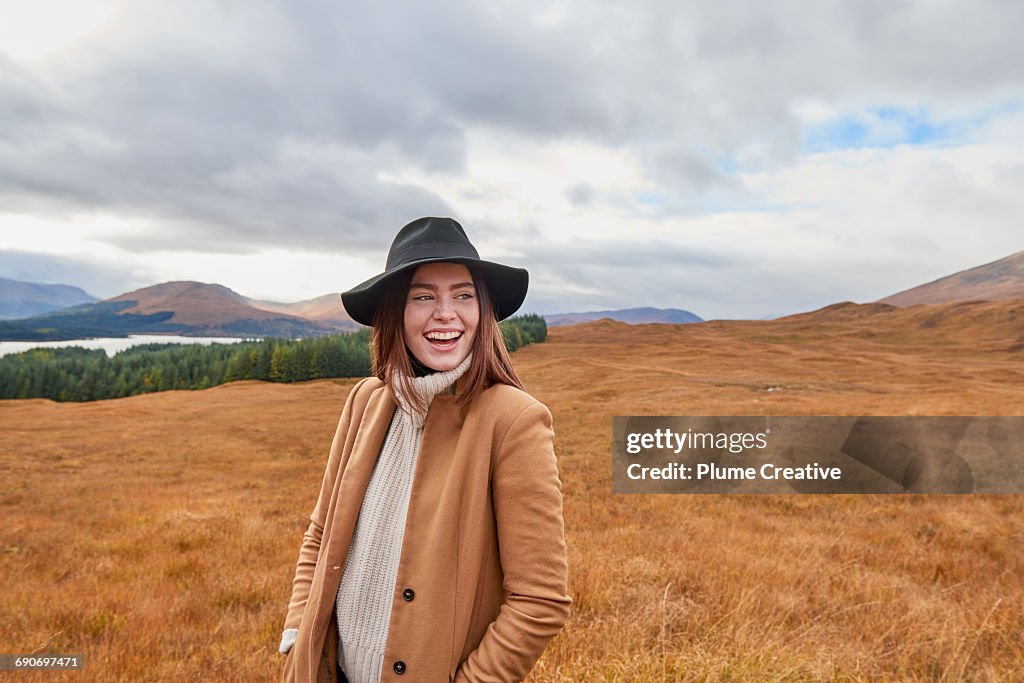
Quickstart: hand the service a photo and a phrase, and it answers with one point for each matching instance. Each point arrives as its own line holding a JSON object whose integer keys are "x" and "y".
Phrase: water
{"x": 114, "y": 345}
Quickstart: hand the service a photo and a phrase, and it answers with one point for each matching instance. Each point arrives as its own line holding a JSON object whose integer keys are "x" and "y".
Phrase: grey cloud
{"x": 627, "y": 255}
{"x": 277, "y": 124}
{"x": 204, "y": 136}
{"x": 580, "y": 194}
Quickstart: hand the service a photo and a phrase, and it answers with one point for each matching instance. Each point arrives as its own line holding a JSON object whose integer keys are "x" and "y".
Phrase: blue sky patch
{"x": 891, "y": 126}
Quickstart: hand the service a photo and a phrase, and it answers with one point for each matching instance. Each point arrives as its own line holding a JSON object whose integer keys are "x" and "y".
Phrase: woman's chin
{"x": 442, "y": 361}
{"x": 444, "y": 364}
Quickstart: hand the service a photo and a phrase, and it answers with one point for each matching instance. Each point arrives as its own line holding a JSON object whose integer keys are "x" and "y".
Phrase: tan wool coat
{"x": 482, "y": 577}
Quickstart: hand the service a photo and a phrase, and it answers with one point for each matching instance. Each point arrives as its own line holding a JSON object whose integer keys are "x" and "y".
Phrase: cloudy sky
{"x": 733, "y": 159}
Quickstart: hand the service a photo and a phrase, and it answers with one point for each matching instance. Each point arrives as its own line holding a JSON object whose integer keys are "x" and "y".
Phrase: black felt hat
{"x": 427, "y": 240}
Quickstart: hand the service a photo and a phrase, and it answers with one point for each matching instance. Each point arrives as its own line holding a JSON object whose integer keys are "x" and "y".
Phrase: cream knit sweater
{"x": 368, "y": 581}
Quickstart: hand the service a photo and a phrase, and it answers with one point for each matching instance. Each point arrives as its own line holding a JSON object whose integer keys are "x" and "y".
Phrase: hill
{"x": 23, "y": 299}
{"x": 185, "y": 308}
{"x": 996, "y": 281}
{"x": 633, "y": 316}
{"x": 194, "y": 304}
{"x": 188, "y": 508}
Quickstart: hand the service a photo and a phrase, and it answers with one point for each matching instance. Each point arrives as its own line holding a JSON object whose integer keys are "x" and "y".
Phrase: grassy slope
{"x": 158, "y": 533}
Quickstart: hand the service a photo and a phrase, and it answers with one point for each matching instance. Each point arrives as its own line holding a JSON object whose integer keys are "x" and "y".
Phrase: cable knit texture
{"x": 368, "y": 581}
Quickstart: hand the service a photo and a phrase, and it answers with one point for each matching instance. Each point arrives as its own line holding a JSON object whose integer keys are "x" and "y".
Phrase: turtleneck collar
{"x": 428, "y": 386}
{"x": 418, "y": 368}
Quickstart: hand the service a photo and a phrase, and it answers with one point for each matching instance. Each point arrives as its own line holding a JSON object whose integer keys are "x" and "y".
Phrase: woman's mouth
{"x": 443, "y": 340}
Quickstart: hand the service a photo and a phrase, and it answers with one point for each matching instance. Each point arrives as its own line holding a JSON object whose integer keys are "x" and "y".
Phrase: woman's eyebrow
{"x": 425, "y": 285}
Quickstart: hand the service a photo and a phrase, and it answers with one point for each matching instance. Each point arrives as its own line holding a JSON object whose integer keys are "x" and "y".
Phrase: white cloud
{"x": 276, "y": 275}
{"x": 646, "y": 154}
{"x": 42, "y": 29}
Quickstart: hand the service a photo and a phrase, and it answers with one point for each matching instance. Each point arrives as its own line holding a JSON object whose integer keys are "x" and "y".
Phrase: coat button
{"x": 399, "y": 667}
{"x": 408, "y": 594}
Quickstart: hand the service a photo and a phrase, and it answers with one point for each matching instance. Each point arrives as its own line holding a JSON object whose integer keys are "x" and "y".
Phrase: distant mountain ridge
{"x": 184, "y": 308}
{"x": 997, "y": 281}
{"x": 19, "y": 299}
{"x": 327, "y": 307}
{"x": 201, "y": 304}
{"x": 632, "y": 316}
{"x": 34, "y": 312}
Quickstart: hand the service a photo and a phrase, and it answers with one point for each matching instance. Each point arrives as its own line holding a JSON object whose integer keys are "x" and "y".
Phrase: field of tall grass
{"x": 157, "y": 534}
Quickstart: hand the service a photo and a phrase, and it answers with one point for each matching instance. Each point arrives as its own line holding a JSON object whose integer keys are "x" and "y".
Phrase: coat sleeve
{"x": 310, "y": 549}
{"x": 531, "y": 542}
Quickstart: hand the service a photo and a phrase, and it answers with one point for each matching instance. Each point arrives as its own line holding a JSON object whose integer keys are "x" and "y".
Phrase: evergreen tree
{"x": 77, "y": 374}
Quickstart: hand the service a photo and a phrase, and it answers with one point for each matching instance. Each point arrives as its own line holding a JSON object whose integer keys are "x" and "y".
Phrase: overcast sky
{"x": 732, "y": 159}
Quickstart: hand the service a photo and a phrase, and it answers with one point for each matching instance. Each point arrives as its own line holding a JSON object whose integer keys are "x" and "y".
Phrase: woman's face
{"x": 441, "y": 315}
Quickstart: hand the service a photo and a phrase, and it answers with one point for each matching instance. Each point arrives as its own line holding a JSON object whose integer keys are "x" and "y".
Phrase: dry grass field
{"x": 157, "y": 534}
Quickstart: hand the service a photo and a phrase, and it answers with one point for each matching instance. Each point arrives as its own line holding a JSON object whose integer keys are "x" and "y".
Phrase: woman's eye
{"x": 464, "y": 295}
{"x": 421, "y": 297}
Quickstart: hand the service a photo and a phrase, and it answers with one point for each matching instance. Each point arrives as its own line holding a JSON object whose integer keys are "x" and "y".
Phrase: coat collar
{"x": 461, "y": 384}
{"x": 383, "y": 408}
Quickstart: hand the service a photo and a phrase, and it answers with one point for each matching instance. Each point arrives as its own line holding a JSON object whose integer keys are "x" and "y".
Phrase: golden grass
{"x": 157, "y": 534}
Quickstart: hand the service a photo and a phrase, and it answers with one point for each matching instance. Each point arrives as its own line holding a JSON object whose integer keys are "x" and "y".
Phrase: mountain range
{"x": 208, "y": 310}
{"x": 23, "y": 299}
{"x": 193, "y": 309}
{"x": 632, "y": 316}
{"x": 55, "y": 312}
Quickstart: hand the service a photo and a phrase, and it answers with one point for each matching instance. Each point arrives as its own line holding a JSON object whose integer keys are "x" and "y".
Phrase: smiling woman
{"x": 436, "y": 547}
{"x": 441, "y": 314}
{"x": 440, "y": 321}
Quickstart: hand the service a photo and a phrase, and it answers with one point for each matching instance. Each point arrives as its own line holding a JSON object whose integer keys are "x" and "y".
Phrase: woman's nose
{"x": 444, "y": 309}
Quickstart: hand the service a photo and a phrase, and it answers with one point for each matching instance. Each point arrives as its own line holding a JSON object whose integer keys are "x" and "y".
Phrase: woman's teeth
{"x": 443, "y": 336}
{"x": 443, "y": 339}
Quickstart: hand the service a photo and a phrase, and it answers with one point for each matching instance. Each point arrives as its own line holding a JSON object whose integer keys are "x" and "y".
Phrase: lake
{"x": 113, "y": 345}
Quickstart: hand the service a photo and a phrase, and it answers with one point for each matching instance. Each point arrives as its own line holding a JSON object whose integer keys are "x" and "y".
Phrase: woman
{"x": 435, "y": 551}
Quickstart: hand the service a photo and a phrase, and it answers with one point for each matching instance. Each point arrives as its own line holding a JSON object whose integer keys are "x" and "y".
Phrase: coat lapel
{"x": 372, "y": 429}
{"x": 356, "y": 469}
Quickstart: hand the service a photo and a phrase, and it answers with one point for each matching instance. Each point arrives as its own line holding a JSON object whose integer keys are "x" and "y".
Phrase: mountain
{"x": 996, "y": 281}
{"x": 192, "y": 309}
{"x": 633, "y": 316}
{"x": 191, "y": 303}
{"x": 214, "y": 305}
{"x": 21, "y": 299}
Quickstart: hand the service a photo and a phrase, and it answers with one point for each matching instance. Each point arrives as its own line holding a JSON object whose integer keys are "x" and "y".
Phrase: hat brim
{"x": 506, "y": 284}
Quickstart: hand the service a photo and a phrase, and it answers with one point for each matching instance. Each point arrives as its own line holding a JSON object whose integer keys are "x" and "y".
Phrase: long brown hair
{"x": 391, "y": 357}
